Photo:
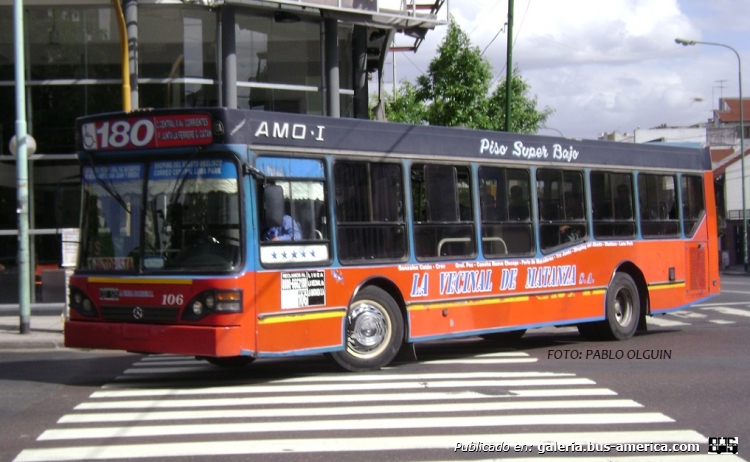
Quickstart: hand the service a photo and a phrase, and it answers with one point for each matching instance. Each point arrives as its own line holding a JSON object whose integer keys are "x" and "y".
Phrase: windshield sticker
{"x": 110, "y": 263}
{"x": 300, "y": 289}
{"x": 153, "y": 262}
{"x": 113, "y": 173}
{"x": 171, "y": 170}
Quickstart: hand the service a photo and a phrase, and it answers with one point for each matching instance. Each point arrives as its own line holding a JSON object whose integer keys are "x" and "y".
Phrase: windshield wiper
{"x": 108, "y": 187}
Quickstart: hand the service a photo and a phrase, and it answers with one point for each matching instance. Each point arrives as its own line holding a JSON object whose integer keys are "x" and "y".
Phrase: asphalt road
{"x": 684, "y": 380}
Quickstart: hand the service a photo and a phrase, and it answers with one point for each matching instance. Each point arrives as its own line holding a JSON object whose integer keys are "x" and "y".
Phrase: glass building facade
{"x": 73, "y": 68}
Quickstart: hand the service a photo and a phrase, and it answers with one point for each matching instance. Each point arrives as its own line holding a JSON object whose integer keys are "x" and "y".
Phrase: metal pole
{"x": 742, "y": 140}
{"x": 22, "y": 184}
{"x": 509, "y": 66}
{"x": 122, "y": 28}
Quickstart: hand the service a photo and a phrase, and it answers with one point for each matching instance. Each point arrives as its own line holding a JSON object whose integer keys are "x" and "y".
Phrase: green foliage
{"x": 525, "y": 117}
{"x": 405, "y": 106}
{"x": 456, "y": 92}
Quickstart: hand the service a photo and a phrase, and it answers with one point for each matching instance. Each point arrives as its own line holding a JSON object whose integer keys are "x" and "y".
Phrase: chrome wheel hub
{"x": 369, "y": 330}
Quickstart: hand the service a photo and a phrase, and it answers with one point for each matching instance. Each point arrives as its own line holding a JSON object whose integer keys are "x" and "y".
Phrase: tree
{"x": 456, "y": 92}
{"x": 456, "y": 83}
{"x": 404, "y": 107}
{"x": 525, "y": 118}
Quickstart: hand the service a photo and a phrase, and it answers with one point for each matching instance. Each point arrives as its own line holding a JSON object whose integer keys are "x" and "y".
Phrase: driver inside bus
{"x": 289, "y": 230}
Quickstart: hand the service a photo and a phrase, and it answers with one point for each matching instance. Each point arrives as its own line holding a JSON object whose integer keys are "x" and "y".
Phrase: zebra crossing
{"x": 172, "y": 406}
{"x": 702, "y": 313}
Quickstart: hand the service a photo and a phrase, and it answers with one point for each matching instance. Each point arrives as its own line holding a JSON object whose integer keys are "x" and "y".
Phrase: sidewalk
{"x": 736, "y": 270}
{"x": 46, "y": 332}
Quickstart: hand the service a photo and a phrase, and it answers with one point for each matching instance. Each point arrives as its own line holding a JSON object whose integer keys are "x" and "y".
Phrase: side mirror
{"x": 273, "y": 205}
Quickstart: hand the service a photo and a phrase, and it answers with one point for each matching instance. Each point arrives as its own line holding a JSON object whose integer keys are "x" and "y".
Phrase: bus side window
{"x": 447, "y": 228}
{"x": 613, "y": 206}
{"x": 506, "y": 225}
{"x": 693, "y": 205}
{"x": 562, "y": 213}
{"x": 657, "y": 197}
{"x": 370, "y": 218}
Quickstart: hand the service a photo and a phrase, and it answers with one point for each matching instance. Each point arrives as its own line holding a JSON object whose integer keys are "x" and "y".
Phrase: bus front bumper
{"x": 154, "y": 338}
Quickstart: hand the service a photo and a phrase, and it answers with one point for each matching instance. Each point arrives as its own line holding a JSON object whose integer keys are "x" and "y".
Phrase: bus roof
{"x": 295, "y": 132}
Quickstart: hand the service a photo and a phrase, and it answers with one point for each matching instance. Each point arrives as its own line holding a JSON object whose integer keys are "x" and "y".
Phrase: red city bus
{"x": 233, "y": 234}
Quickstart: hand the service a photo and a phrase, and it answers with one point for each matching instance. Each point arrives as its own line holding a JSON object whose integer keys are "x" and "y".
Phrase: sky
{"x": 606, "y": 66}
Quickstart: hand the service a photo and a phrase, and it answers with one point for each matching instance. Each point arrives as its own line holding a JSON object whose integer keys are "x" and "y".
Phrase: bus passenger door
{"x": 696, "y": 269}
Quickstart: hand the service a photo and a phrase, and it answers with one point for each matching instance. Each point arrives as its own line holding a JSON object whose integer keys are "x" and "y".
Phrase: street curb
{"x": 35, "y": 345}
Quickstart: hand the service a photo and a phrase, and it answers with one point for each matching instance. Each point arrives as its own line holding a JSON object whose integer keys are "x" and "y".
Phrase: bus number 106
{"x": 172, "y": 299}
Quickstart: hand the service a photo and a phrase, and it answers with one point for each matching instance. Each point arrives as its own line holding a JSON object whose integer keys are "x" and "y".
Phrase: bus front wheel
{"x": 374, "y": 331}
{"x": 623, "y": 311}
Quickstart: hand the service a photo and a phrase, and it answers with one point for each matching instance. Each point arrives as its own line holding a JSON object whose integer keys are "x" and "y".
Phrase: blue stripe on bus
{"x": 682, "y": 307}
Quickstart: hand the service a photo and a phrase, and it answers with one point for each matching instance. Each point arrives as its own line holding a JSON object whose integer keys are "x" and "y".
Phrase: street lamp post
{"x": 684, "y": 42}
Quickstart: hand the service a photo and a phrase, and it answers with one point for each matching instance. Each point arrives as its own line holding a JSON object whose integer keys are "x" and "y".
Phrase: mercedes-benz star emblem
{"x": 138, "y": 312}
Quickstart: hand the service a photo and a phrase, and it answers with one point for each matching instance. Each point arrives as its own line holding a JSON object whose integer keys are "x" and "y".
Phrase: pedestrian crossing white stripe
{"x": 721, "y": 304}
{"x": 172, "y": 359}
{"x": 727, "y": 310}
{"x": 321, "y": 445}
{"x": 341, "y": 399}
{"x": 354, "y": 424}
{"x": 661, "y": 322}
{"x": 168, "y": 369}
{"x": 482, "y": 361}
{"x": 180, "y": 362}
{"x": 563, "y": 392}
{"x": 639, "y": 458}
{"x": 502, "y": 354}
{"x": 687, "y": 314}
{"x": 398, "y": 377}
{"x": 347, "y": 410}
{"x": 721, "y": 321}
{"x": 164, "y": 357}
{"x": 348, "y": 387}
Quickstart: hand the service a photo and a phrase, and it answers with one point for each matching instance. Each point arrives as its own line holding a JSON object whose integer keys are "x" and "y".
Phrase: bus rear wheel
{"x": 374, "y": 331}
{"x": 623, "y": 311}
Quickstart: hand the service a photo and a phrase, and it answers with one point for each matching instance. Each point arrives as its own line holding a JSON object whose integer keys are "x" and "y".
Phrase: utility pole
{"x": 22, "y": 175}
{"x": 509, "y": 66}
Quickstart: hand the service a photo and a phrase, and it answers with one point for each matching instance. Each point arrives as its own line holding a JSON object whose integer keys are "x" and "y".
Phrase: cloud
{"x": 605, "y": 65}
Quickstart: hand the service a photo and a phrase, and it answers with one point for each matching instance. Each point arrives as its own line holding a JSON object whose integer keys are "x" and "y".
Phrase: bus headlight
{"x": 213, "y": 302}
{"x": 81, "y": 304}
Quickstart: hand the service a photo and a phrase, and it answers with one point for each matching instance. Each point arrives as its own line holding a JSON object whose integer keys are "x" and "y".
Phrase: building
{"x": 300, "y": 56}
{"x": 728, "y": 172}
{"x": 721, "y": 135}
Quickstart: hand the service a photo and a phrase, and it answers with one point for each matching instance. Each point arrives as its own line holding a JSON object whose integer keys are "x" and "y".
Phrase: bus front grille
{"x": 139, "y": 314}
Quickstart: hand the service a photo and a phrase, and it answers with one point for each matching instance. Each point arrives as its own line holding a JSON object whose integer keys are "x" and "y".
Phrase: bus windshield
{"x": 189, "y": 218}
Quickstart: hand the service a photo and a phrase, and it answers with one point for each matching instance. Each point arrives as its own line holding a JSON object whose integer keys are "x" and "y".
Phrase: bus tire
{"x": 230, "y": 362}
{"x": 623, "y": 307}
{"x": 504, "y": 337}
{"x": 374, "y": 331}
{"x": 622, "y": 313}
